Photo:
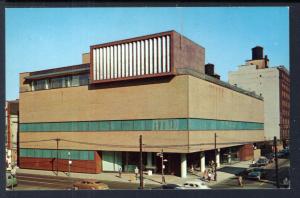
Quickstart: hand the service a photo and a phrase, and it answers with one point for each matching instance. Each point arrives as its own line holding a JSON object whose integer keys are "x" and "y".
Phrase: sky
{"x": 43, "y": 38}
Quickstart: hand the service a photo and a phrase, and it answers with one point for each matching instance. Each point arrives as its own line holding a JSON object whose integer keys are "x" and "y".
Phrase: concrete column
{"x": 218, "y": 158}
{"x": 183, "y": 165}
{"x": 202, "y": 161}
{"x": 149, "y": 159}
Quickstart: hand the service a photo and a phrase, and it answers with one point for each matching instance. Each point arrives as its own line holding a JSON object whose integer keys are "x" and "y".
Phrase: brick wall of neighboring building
{"x": 80, "y": 166}
{"x": 284, "y": 86}
{"x": 246, "y": 152}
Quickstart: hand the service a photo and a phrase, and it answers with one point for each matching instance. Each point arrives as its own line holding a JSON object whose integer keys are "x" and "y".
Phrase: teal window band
{"x": 179, "y": 124}
{"x": 62, "y": 154}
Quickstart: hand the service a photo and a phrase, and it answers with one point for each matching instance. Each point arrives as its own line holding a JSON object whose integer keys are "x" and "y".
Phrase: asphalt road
{"x": 266, "y": 183}
{"x": 45, "y": 182}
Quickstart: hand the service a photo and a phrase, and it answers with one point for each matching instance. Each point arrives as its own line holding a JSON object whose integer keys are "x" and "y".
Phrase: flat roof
{"x": 190, "y": 71}
{"x": 74, "y": 69}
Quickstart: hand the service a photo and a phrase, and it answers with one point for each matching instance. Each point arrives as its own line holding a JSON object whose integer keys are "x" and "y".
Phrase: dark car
{"x": 262, "y": 161}
{"x": 281, "y": 154}
{"x": 257, "y": 173}
{"x": 170, "y": 186}
{"x": 244, "y": 173}
{"x": 271, "y": 157}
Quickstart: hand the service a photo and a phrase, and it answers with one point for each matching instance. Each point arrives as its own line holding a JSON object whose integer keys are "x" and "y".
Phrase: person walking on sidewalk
{"x": 209, "y": 176}
{"x": 240, "y": 181}
{"x": 120, "y": 172}
{"x": 204, "y": 174}
{"x": 136, "y": 171}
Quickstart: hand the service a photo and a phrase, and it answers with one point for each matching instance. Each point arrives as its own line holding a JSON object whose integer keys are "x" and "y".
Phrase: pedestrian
{"x": 120, "y": 172}
{"x": 192, "y": 168}
{"x": 213, "y": 167}
{"x": 136, "y": 171}
{"x": 209, "y": 176}
{"x": 286, "y": 182}
{"x": 204, "y": 174}
{"x": 240, "y": 181}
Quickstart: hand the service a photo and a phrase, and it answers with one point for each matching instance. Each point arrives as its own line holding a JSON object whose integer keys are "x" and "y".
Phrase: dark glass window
{"x": 39, "y": 84}
{"x": 58, "y": 82}
{"x": 75, "y": 81}
{"x": 84, "y": 79}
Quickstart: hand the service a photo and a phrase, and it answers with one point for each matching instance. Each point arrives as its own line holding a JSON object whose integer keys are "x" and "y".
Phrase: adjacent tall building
{"x": 11, "y": 132}
{"x": 155, "y": 86}
{"x": 273, "y": 84}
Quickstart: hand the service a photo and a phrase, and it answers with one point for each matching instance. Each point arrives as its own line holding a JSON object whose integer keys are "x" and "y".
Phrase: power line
{"x": 175, "y": 146}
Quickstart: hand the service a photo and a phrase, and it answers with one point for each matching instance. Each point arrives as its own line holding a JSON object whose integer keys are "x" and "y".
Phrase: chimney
{"x": 257, "y": 53}
{"x": 209, "y": 69}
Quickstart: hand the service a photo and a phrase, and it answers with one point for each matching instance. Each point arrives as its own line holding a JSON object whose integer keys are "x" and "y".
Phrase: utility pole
{"x": 57, "y": 141}
{"x": 216, "y": 156}
{"x": 141, "y": 163}
{"x": 276, "y": 162}
{"x": 162, "y": 167}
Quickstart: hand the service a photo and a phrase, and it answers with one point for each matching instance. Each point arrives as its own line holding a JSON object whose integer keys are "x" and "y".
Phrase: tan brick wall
{"x": 138, "y": 101}
{"x": 211, "y": 101}
{"x": 85, "y": 58}
{"x": 231, "y": 138}
{"x": 87, "y": 140}
{"x": 23, "y": 87}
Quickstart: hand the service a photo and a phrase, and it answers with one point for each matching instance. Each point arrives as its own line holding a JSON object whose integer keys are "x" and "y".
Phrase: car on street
{"x": 11, "y": 180}
{"x": 284, "y": 153}
{"x": 170, "y": 187}
{"x": 271, "y": 157}
{"x": 89, "y": 184}
{"x": 244, "y": 173}
{"x": 256, "y": 173}
{"x": 262, "y": 161}
{"x": 194, "y": 185}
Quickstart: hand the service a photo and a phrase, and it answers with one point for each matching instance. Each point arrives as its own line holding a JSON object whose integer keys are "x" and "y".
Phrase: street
{"x": 30, "y": 181}
{"x": 45, "y": 182}
{"x": 268, "y": 182}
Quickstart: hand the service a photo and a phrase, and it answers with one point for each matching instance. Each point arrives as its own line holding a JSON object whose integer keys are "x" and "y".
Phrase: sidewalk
{"x": 223, "y": 173}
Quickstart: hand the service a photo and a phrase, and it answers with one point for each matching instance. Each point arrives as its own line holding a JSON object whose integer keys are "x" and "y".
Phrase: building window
{"x": 58, "y": 82}
{"x": 84, "y": 79}
{"x": 39, "y": 85}
{"x": 75, "y": 81}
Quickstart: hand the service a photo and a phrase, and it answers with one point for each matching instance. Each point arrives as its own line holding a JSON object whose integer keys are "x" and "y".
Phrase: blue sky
{"x": 42, "y": 38}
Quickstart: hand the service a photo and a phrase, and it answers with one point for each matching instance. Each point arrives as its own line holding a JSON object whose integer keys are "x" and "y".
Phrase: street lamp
{"x": 161, "y": 155}
{"x": 69, "y": 162}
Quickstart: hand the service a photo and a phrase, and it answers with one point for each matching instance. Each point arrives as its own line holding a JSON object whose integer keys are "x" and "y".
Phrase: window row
{"x": 62, "y": 154}
{"x": 60, "y": 82}
{"x": 141, "y": 125}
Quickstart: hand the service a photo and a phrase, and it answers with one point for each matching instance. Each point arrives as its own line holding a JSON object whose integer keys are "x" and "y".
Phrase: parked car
{"x": 285, "y": 152}
{"x": 262, "y": 161}
{"x": 11, "y": 180}
{"x": 245, "y": 172}
{"x": 90, "y": 184}
{"x": 271, "y": 157}
{"x": 194, "y": 185}
{"x": 257, "y": 173}
{"x": 171, "y": 187}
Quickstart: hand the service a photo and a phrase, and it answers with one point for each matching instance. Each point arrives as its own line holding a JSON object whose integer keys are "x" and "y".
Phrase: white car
{"x": 194, "y": 185}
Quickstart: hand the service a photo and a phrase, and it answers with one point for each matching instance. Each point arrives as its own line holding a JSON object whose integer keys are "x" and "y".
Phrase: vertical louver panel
{"x": 143, "y": 57}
